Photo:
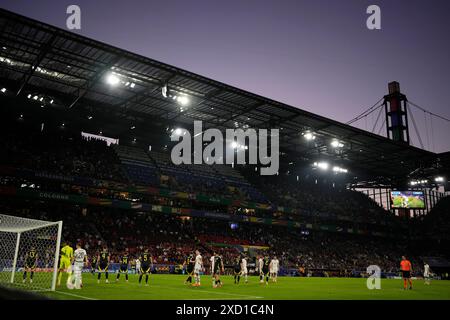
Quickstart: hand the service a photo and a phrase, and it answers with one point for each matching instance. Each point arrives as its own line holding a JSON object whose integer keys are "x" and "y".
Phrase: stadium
{"x": 86, "y": 162}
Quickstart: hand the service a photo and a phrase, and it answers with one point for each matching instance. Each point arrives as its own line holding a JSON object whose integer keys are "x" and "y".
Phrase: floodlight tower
{"x": 396, "y": 114}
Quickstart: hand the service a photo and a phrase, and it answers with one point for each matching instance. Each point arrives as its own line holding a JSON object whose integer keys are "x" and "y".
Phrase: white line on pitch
{"x": 231, "y": 294}
{"x": 214, "y": 292}
{"x": 75, "y": 295}
{"x": 237, "y": 298}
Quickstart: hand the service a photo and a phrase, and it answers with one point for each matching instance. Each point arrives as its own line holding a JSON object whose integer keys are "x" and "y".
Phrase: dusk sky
{"x": 315, "y": 55}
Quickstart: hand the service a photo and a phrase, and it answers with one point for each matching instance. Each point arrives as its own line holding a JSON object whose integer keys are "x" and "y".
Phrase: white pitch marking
{"x": 75, "y": 295}
{"x": 214, "y": 292}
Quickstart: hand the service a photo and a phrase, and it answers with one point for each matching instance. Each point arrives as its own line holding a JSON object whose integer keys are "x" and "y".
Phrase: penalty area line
{"x": 220, "y": 293}
{"x": 213, "y": 292}
{"x": 232, "y": 294}
{"x": 75, "y": 295}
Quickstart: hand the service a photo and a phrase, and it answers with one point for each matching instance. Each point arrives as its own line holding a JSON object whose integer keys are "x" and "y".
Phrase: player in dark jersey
{"x": 146, "y": 264}
{"x": 124, "y": 261}
{"x": 237, "y": 270}
{"x": 217, "y": 267}
{"x": 94, "y": 262}
{"x": 103, "y": 263}
{"x": 265, "y": 268}
{"x": 189, "y": 267}
{"x": 30, "y": 264}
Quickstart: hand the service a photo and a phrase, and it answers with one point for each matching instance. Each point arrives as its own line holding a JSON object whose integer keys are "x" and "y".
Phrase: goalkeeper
{"x": 65, "y": 261}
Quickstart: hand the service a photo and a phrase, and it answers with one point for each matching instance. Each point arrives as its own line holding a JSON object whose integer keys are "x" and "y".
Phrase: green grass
{"x": 171, "y": 287}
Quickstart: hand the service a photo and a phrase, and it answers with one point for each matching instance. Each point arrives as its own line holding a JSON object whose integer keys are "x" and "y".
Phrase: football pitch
{"x": 171, "y": 287}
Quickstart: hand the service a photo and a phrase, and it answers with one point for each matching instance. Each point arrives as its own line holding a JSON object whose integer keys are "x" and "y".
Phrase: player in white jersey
{"x": 274, "y": 268}
{"x": 79, "y": 260}
{"x": 211, "y": 264}
{"x": 198, "y": 268}
{"x": 244, "y": 271}
{"x": 260, "y": 269}
{"x": 138, "y": 266}
{"x": 426, "y": 273}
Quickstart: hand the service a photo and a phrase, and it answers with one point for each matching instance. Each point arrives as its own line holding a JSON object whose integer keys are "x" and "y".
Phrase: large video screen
{"x": 407, "y": 200}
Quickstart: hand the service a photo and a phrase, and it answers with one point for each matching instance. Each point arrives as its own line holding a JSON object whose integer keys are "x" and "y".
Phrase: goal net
{"x": 29, "y": 252}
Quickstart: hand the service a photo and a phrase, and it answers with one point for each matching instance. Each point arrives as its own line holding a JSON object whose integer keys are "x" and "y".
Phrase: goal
{"x": 29, "y": 246}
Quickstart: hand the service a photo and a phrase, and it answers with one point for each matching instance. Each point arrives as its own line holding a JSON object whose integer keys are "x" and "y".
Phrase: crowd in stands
{"x": 64, "y": 154}
{"x": 171, "y": 238}
{"x": 318, "y": 201}
{"x": 438, "y": 220}
{"x": 68, "y": 154}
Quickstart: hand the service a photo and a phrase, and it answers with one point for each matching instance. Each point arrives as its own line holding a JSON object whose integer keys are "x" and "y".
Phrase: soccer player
{"x": 426, "y": 273}
{"x": 211, "y": 264}
{"x": 217, "y": 267}
{"x": 79, "y": 261}
{"x": 265, "y": 268}
{"x": 30, "y": 264}
{"x": 146, "y": 264}
{"x": 198, "y": 267}
{"x": 274, "y": 267}
{"x": 65, "y": 261}
{"x": 94, "y": 264}
{"x": 406, "y": 269}
{"x": 123, "y": 265}
{"x": 237, "y": 270}
{"x": 260, "y": 269}
{"x": 138, "y": 265}
{"x": 244, "y": 271}
{"x": 103, "y": 264}
{"x": 189, "y": 267}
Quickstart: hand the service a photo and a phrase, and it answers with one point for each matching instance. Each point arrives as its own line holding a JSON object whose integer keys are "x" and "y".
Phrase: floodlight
{"x": 112, "y": 79}
{"x": 336, "y": 144}
{"x": 321, "y": 165}
{"x": 339, "y": 169}
{"x": 183, "y": 100}
{"x": 309, "y": 136}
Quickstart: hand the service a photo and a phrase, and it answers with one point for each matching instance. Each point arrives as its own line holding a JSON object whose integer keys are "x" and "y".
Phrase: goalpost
{"x": 19, "y": 236}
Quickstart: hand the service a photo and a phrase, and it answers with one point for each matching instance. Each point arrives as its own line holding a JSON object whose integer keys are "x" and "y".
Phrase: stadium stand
{"x": 137, "y": 165}
{"x": 124, "y": 196}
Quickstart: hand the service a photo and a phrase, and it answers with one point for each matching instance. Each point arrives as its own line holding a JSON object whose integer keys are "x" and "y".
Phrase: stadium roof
{"x": 72, "y": 69}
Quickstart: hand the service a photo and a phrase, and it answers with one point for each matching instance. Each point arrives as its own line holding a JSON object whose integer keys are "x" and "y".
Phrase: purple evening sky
{"x": 315, "y": 55}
